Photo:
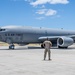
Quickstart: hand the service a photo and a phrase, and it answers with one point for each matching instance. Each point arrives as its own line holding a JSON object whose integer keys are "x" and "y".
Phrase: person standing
{"x": 47, "y": 45}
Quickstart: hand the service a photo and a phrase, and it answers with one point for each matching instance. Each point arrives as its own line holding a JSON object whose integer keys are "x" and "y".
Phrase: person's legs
{"x": 45, "y": 53}
{"x": 49, "y": 54}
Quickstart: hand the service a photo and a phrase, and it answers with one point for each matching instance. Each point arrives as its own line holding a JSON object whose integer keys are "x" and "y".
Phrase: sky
{"x": 55, "y": 14}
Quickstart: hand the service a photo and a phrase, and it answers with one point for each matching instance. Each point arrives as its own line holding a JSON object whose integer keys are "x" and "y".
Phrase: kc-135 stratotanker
{"x": 26, "y": 35}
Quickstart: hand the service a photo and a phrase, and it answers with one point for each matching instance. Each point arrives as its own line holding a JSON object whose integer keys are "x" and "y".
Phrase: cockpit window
{"x": 2, "y": 29}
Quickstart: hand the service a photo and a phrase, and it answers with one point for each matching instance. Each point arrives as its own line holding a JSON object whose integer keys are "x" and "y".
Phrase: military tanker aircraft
{"x": 23, "y": 35}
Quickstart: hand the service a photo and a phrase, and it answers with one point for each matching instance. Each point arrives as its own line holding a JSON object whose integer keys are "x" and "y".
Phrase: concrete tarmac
{"x": 29, "y": 61}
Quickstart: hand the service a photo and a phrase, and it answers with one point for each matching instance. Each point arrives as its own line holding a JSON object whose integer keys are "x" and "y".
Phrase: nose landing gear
{"x": 11, "y": 46}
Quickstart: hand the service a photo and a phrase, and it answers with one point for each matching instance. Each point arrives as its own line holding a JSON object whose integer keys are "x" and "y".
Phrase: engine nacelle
{"x": 64, "y": 41}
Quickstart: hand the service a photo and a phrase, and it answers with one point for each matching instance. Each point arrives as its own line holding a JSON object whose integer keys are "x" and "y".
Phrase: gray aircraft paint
{"x": 32, "y": 34}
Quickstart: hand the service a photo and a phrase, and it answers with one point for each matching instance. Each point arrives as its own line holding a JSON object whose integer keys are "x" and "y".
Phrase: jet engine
{"x": 64, "y": 42}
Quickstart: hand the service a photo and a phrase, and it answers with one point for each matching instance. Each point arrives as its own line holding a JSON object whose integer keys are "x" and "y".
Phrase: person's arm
{"x": 43, "y": 44}
{"x": 50, "y": 44}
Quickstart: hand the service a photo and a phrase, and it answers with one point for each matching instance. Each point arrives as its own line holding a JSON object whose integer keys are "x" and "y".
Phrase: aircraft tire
{"x": 11, "y": 47}
{"x": 42, "y": 46}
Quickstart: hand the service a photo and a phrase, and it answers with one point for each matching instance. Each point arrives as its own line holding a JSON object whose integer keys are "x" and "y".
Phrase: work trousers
{"x": 45, "y": 53}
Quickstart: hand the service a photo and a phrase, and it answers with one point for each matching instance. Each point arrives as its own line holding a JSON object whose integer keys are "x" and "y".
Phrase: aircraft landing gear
{"x": 11, "y": 46}
{"x": 42, "y": 46}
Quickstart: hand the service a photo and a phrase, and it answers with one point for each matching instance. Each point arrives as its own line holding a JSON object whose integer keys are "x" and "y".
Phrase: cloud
{"x": 40, "y": 2}
{"x": 42, "y": 11}
{"x": 47, "y": 12}
{"x": 51, "y": 12}
{"x": 40, "y": 18}
{"x": 43, "y": 6}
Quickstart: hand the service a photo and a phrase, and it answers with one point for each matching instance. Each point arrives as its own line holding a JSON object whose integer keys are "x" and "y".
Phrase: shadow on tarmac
{"x": 30, "y": 47}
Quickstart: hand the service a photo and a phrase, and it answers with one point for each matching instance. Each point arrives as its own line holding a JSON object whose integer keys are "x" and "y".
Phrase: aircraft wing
{"x": 62, "y": 41}
{"x": 49, "y": 37}
{"x": 54, "y": 37}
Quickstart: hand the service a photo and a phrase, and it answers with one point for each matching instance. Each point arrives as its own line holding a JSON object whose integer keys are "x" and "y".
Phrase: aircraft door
{"x": 18, "y": 37}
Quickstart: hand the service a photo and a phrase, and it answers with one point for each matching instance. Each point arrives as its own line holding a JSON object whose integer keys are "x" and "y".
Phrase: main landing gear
{"x": 11, "y": 46}
{"x": 42, "y": 46}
